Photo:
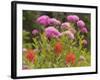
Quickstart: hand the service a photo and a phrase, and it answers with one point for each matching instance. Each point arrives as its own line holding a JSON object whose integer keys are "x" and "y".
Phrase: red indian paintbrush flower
{"x": 58, "y": 47}
{"x": 70, "y": 58}
{"x": 30, "y": 56}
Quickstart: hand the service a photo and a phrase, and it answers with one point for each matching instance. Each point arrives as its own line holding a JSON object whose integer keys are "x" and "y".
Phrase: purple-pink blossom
{"x": 72, "y": 30}
{"x": 84, "y": 30}
{"x": 84, "y": 42}
{"x": 69, "y": 34}
{"x": 65, "y": 25}
{"x": 72, "y": 18}
{"x": 43, "y": 20}
{"x": 53, "y": 21}
{"x": 52, "y": 32}
{"x": 80, "y": 24}
{"x": 35, "y": 32}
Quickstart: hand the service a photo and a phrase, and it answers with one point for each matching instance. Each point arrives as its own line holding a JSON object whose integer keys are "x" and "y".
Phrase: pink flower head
{"x": 84, "y": 42}
{"x": 80, "y": 24}
{"x": 65, "y": 25}
{"x": 72, "y": 18}
{"x": 69, "y": 34}
{"x": 52, "y": 32}
{"x": 53, "y": 21}
{"x": 84, "y": 30}
{"x": 35, "y": 32}
{"x": 43, "y": 20}
{"x": 72, "y": 30}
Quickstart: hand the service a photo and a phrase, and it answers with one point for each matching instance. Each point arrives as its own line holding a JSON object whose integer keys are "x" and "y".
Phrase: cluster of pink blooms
{"x": 72, "y": 18}
{"x": 82, "y": 27}
{"x": 43, "y": 20}
{"x": 35, "y": 32}
{"x": 80, "y": 23}
{"x": 47, "y": 21}
{"x": 52, "y": 32}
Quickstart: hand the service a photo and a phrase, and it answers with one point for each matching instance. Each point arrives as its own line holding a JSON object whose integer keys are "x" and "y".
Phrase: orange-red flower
{"x": 30, "y": 56}
{"x": 58, "y": 47}
{"x": 70, "y": 58}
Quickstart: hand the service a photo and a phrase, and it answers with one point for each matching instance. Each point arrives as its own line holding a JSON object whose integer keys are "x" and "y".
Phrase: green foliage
{"x": 26, "y": 40}
{"x": 46, "y": 57}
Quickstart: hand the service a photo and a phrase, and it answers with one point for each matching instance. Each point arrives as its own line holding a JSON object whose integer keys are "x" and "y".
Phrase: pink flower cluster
{"x": 43, "y": 20}
{"x": 72, "y": 18}
{"x": 80, "y": 23}
{"x": 35, "y": 32}
{"x": 47, "y": 21}
{"x": 65, "y": 25}
{"x": 82, "y": 27}
{"x": 69, "y": 34}
{"x": 52, "y": 31}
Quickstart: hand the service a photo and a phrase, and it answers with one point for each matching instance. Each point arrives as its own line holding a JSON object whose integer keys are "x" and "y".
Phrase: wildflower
{"x": 80, "y": 24}
{"x": 70, "y": 58}
{"x": 24, "y": 50}
{"x": 52, "y": 32}
{"x": 72, "y": 18}
{"x": 84, "y": 30}
{"x": 43, "y": 20}
{"x": 65, "y": 25}
{"x": 69, "y": 34}
{"x": 82, "y": 58}
{"x": 72, "y": 30}
{"x": 35, "y": 32}
{"x": 53, "y": 22}
{"x": 58, "y": 48}
{"x": 84, "y": 42}
{"x": 30, "y": 56}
